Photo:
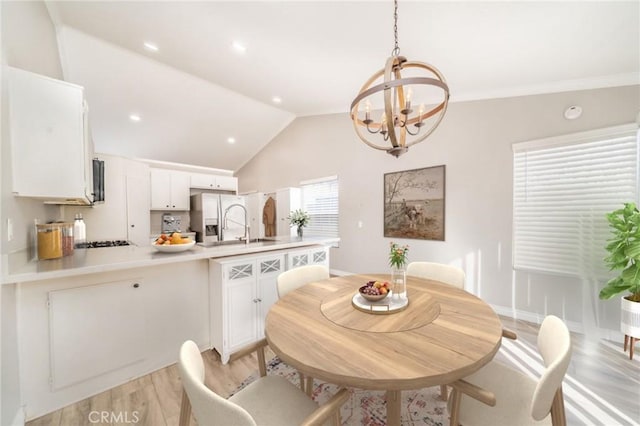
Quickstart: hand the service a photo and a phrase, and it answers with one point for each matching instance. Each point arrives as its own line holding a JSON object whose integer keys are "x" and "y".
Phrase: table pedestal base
{"x": 393, "y": 408}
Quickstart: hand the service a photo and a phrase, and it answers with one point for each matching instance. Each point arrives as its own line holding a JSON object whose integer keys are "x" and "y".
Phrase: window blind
{"x": 562, "y": 189}
{"x": 320, "y": 200}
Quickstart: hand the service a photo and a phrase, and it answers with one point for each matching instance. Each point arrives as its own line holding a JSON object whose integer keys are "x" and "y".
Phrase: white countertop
{"x": 18, "y": 267}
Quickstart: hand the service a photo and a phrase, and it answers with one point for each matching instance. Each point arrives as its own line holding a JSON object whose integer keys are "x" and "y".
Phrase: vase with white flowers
{"x": 300, "y": 219}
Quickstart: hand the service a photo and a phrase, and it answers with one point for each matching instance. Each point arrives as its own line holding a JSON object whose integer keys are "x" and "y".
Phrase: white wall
{"x": 474, "y": 142}
{"x": 28, "y": 42}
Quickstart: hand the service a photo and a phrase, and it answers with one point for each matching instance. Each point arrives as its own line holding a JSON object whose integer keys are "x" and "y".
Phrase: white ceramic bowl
{"x": 173, "y": 248}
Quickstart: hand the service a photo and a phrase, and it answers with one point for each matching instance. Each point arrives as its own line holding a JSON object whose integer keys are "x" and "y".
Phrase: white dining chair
{"x": 297, "y": 277}
{"x": 270, "y": 400}
{"x": 293, "y": 279}
{"x": 448, "y": 274}
{"x": 498, "y": 395}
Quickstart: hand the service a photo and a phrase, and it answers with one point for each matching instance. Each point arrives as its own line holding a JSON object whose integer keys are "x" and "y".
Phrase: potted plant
{"x": 624, "y": 255}
{"x": 300, "y": 219}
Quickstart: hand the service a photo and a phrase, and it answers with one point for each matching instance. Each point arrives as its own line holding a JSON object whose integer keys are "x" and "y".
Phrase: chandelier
{"x": 400, "y": 124}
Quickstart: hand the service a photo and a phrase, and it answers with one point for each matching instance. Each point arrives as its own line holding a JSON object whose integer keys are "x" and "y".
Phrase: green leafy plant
{"x": 398, "y": 255}
{"x": 299, "y": 218}
{"x": 624, "y": 253}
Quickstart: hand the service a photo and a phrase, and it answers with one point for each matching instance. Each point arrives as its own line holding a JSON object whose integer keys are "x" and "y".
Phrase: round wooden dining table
{"x": 443, "y": 335}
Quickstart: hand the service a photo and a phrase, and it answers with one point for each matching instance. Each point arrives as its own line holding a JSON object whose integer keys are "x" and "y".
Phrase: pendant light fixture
{"x": 401, "y": 123}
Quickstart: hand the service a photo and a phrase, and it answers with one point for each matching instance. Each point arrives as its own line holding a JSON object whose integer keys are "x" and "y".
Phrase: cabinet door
{"x": 109, "y": 330}
{"x": 160, "y": 189}
{"x": 138, "y": 221}
{"x": 240, "y": 304}
{"x": 227, "y": 183}
{"x": 46, "y": 125}
{"x": 268, "y": 270}
{"x": 203, "y": 181}
{"x": 180, "y": 190}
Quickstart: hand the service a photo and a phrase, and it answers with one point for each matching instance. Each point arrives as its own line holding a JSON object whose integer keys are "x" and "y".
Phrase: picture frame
{"x": 414, "y": 203}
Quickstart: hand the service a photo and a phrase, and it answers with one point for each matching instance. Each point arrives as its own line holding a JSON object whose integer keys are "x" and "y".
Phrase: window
{"x": 320, "y": 200}
{"x": 562, "y": 189}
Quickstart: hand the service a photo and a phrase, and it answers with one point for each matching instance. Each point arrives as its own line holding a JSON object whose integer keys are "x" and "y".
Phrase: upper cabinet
{"x": 219, "y": 183}
{"x": 51, "y": 148}
{"x": 169, "y": 190}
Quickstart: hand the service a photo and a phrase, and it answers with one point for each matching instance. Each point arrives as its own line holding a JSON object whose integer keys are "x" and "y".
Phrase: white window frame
{"x": 320, "y": 228}
{"x": 545, "y": 189}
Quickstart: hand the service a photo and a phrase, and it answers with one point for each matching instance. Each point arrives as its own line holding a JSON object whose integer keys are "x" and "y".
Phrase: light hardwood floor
{"x": 602, "y": 386}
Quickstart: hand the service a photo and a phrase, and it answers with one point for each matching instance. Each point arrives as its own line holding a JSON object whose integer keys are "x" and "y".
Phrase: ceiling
{"x": 196, "y": 91}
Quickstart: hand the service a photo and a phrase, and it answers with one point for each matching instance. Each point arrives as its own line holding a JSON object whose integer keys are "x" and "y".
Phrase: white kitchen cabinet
{"x": 213, "y": 182}
{"x": 169, "y": 189}
{"x": 287, "y": 200}
{"x": 112, "y": 334}
{"x": 243, "y": 288}
{"x": 316, "y": 255}
{"x": 51, "y": 148}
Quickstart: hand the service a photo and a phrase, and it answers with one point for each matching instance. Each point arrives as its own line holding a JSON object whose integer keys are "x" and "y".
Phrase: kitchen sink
{"x": 236, "y": 242}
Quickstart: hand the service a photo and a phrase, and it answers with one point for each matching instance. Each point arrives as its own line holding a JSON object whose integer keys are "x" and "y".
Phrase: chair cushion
{"x": 513, "y": 391}
{"x": 274, "y": 401}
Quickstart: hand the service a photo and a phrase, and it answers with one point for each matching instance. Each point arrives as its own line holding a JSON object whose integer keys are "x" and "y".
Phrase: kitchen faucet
{"x": 246, "y": 225}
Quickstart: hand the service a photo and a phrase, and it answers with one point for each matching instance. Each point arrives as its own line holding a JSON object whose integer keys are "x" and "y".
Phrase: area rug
{"x": 419, "y": 407}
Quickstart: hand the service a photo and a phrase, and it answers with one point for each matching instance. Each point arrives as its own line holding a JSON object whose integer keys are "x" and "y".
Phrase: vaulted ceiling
{"x": 197, "y": 91}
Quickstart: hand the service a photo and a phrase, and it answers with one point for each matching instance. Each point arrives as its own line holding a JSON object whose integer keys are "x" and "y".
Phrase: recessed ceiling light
{"x": 150, "y": 46}
{"x": 134, "y": 117}
{"x": 231, "y": 140}
{"x": 239, "y": 47}
{"x": 276, "y": 100}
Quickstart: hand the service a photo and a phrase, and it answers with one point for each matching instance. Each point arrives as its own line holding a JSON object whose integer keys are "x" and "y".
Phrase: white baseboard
{"x": 19, "y": 418}
{"x": 339, "y": 272}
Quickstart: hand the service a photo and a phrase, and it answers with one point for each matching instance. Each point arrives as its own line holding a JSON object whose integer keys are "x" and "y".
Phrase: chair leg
{"x": 444, "y": 394}
{"x": 631, "y": 345}
{"x": 309, "y": 386}
{"x": 626, "y": 341}
{"x": 302, "y": 381}
{"x": 455, "y": 407}
{"x": 557, "y": 409}
{"x": 185, "y": 410}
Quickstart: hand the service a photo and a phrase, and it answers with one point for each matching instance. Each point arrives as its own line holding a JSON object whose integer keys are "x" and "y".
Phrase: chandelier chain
{"x": 396, "y": 49}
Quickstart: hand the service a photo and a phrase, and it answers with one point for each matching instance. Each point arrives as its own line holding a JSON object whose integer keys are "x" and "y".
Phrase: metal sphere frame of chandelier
{"x": 396, "y": 120}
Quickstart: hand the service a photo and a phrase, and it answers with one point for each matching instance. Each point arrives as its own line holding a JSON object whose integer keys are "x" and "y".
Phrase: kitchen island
{"x": 20, "y": 267}
{"x": 89, "y": 322}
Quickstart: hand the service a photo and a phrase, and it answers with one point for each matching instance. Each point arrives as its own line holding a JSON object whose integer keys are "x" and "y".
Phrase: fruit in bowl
{"x": 374, "y": 290}
{"x": 173, "y": 238}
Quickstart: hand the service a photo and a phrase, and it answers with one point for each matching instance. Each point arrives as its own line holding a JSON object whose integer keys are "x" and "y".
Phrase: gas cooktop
{"x": 98, "y": 244}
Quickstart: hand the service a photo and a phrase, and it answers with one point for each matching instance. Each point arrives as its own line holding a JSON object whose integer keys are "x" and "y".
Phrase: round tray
{"x": 388, "y": 305}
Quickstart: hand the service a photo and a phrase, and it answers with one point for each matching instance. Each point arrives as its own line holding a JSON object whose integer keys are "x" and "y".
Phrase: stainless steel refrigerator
{"x": 218, "y": 217}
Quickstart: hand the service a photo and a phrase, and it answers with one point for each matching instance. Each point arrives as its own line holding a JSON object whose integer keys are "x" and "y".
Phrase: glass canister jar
{"x": 66, "y": 229}
{"x": 49, "y": 241}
